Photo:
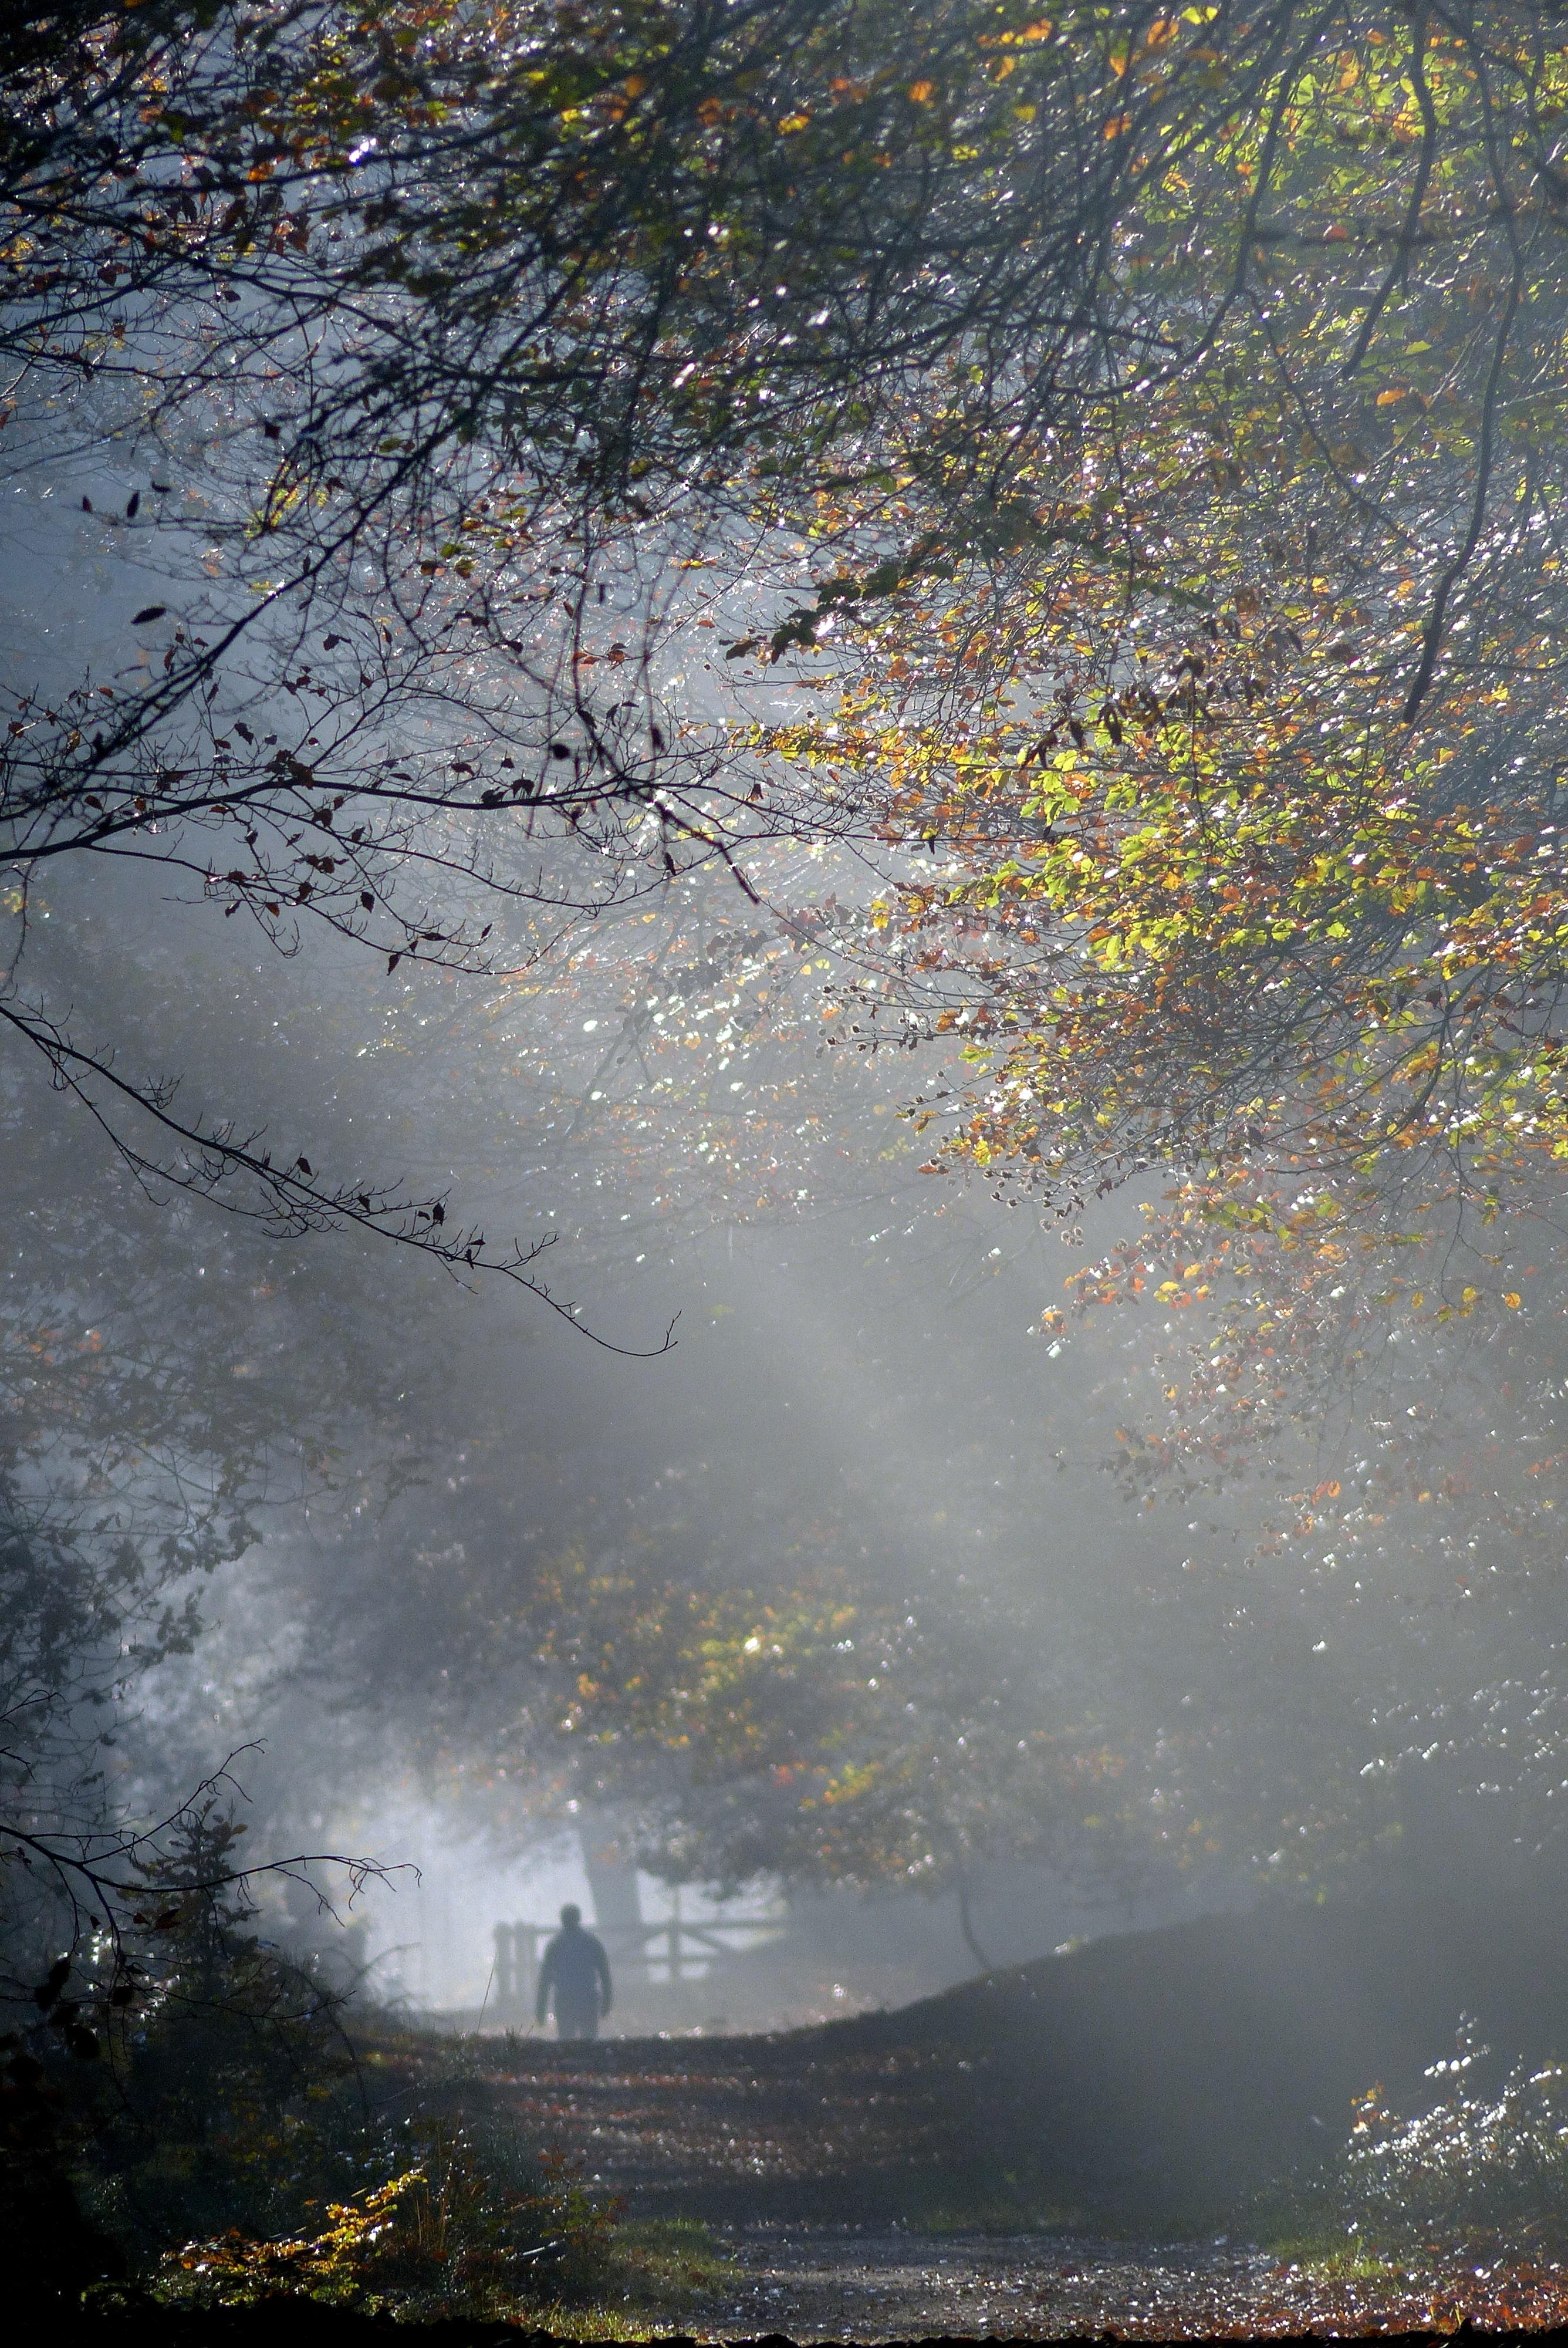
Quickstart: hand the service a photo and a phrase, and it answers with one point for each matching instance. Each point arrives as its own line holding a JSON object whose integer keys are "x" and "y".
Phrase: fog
{"x": 843, "y": 1381}
{"x": 780, "y": 1128}
{"x": 858, "y": 1383}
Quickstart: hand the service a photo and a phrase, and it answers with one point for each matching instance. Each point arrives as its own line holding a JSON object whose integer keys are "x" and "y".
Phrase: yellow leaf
{"x": 1513, "y": 1300}
{"x": 1387, "y": 398}
{"x": 922, "y": 92}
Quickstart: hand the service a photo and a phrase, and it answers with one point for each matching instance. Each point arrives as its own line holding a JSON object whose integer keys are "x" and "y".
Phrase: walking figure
{"x": 576, "y": 1973}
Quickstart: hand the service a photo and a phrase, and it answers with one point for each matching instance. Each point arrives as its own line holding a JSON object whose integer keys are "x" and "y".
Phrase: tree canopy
{"x": 1035, "y": 538}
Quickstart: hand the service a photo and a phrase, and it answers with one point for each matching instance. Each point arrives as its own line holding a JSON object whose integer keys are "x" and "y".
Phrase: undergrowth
{"x": 235, "y": 2140}
{"x": 473, "y": 2227}
{"x": 1477, "y": 2174}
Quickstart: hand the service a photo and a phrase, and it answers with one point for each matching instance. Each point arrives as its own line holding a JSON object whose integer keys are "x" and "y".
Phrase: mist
{"x": 781, "y": 951}
{"x": 858, "y": 1401}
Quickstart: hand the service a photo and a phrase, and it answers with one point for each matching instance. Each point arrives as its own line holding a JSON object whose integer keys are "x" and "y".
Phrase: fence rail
{"x": 673, "y": 1950}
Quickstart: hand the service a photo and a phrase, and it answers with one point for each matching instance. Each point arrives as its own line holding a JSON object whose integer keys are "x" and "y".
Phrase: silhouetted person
{"x": 576, "y": 1973}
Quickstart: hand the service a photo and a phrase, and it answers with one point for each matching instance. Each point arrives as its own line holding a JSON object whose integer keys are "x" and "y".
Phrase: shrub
{"x": 450, "y": 2235}
{"x": 1475, "y": 2163}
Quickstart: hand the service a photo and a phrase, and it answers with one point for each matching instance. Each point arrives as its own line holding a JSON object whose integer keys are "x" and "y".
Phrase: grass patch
{"x": 674, "y": 2258}
{"x": 1332, "y": 2258}
{"x": 661, "y": 2271}
{"x": 565, "y": 2323}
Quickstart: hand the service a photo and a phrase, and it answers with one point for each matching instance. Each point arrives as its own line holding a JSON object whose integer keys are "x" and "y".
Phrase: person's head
{"x": 571, "y": 1916}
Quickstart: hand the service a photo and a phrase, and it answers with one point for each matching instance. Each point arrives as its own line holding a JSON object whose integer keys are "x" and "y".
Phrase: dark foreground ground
{"x": 823, "y": 2285}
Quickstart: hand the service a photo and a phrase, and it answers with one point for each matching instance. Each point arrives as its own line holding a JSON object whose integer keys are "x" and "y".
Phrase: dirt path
{"x": 825, "y": 2286}
{"x": 779, "y": 2146}
{"x": 819, "y": 2285}
{"x": 737, "y": 2131}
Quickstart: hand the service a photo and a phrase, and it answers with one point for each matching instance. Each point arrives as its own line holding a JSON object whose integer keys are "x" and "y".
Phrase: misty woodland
{"x": 783, "y": 1128}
